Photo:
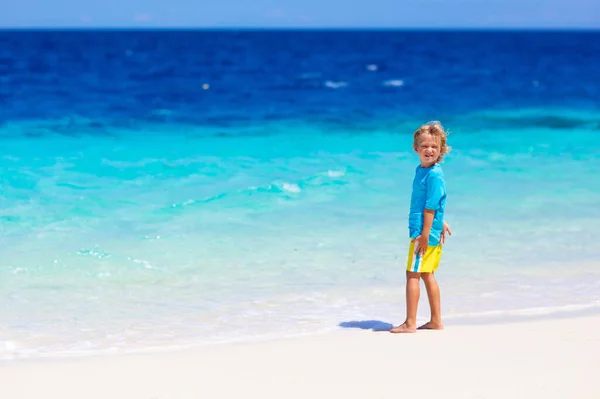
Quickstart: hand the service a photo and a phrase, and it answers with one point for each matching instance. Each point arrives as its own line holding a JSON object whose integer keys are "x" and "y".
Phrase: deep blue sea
{"x": 164, "y": 189}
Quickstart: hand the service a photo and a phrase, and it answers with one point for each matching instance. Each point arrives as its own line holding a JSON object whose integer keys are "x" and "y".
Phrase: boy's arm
{"x": 422, "y": 241}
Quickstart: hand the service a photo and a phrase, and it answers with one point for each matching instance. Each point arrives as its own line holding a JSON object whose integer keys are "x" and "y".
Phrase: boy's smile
{"x": 428, "y": 150}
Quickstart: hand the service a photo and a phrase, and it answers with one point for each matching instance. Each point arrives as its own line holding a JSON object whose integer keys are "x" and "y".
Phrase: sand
{"x": 529, "y": 359}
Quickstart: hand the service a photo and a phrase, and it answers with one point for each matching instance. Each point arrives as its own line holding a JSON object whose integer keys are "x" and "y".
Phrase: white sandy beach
{"x": 531, "y": 359}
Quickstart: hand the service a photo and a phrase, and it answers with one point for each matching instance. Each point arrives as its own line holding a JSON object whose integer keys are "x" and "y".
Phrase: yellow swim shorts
{"x": 425, "y": 264}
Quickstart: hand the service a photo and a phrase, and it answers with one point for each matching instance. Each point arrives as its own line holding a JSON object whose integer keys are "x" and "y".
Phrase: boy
{"x": 426, "y": 226}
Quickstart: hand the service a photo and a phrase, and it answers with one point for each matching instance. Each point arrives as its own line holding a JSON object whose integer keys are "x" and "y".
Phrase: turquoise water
{"x": 128, "y": 244}
{"x": 172, "y": 189}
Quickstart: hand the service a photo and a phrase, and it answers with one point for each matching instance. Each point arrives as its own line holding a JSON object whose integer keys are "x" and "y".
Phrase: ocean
{"x": 168, "y": 189}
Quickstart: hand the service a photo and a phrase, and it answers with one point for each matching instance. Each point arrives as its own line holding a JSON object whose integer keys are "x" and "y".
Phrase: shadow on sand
{"x": 373, "y": 325}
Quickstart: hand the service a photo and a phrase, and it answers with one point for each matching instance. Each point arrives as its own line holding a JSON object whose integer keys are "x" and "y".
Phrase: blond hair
{"x": 435, "y": 129}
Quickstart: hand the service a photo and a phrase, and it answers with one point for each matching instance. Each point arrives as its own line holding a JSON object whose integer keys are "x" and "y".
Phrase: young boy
{"x": 426, "y": 226}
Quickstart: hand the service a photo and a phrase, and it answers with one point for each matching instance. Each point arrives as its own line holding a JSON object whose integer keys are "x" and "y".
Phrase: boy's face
{"x": 428, "y": 149}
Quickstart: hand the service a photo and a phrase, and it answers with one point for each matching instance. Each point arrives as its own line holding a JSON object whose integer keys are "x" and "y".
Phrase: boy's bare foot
{"x": 430, "y": 325}
{"x": 403, "y": 328}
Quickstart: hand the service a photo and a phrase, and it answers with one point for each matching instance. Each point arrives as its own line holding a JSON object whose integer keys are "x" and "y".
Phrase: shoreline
{"x": 487, "y": 318}
{"x": 536, "y": 358}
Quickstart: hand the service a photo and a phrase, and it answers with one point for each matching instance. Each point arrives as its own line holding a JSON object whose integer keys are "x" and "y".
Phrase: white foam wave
{"x": 335, "y": 173}
{"x": 291, "y": 188}
{"x": 394, "y": 83}
{"x": 335, "y": 85}
{"x": 536, "y": 311}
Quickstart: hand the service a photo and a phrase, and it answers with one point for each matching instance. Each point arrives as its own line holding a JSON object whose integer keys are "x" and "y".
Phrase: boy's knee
{"x": 427, "y": 276}
{"x": 411, "y": 275}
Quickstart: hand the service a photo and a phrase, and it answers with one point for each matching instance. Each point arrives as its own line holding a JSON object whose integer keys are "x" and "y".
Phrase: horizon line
{"x": 297, "y": 28}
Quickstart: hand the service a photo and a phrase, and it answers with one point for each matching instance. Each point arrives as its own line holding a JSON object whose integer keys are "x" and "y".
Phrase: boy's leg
{"x": 412, "y": 301}
{"x": 433, "y": 294}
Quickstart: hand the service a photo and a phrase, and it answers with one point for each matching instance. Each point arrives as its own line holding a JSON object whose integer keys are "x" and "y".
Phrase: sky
{"x": 301, "y": 13}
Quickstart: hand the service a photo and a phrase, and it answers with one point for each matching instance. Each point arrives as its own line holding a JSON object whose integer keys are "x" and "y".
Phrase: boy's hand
{"x": 445, "y": 230}
{"x": 421, "y": 243}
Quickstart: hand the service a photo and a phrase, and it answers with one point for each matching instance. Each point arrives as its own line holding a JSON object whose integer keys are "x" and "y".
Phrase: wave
{"x": 394, "y": 83}
{"x": 547, "y": 311}
{"x": 228, "y": 124}
{"x": 335, "y": 85}
{"x": 532, "y": 118}
{"x": 278, "y": 188}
